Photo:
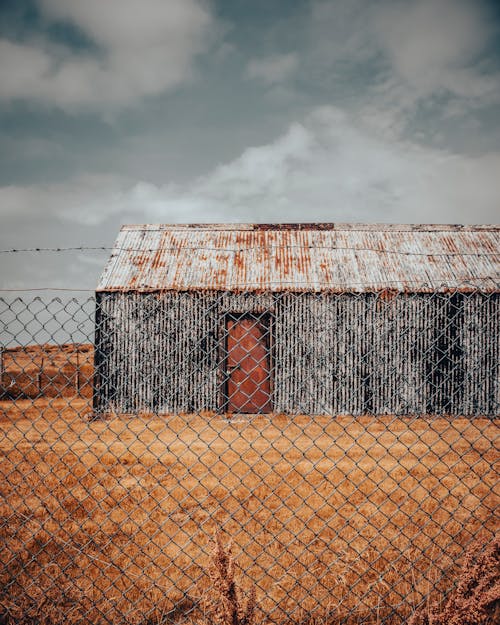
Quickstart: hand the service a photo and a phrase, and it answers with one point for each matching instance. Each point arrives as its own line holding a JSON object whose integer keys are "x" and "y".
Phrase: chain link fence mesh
{"x": 345, "y": 444}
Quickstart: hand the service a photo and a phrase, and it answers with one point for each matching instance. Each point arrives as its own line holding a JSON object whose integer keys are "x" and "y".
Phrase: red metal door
{"x": 248, "y": 367}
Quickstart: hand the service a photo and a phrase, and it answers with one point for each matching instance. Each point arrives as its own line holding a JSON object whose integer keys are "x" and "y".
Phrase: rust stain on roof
{"x": 304, "y": 257}
{"x": 157, "y": 260}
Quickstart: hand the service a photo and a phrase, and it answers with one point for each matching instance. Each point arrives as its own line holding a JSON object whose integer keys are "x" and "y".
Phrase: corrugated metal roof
{"x": 304, "y": 257}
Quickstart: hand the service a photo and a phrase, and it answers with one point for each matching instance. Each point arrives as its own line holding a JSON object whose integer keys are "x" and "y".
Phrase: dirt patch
{"x": 358, "y": 517}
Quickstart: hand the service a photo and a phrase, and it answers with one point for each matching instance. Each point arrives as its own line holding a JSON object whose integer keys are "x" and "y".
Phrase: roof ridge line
{"x": 314, "y": 226}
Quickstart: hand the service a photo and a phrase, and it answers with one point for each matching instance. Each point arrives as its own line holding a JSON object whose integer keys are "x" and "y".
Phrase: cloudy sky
{"x": 130, "y": 111}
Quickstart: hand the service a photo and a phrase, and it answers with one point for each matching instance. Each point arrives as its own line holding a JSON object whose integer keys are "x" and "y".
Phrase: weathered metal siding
{"x": 332, "y": 354}
{"x": 480, "y": 336}
{"x": 319, "y": 342}
{"x": 346, "y": 354}
{"x": 164, "y": 353}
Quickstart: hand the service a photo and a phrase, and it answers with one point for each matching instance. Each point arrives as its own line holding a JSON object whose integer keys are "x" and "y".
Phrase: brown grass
{"x": 351, "y": 519}
{"x": 34, "y": 371}
{"x": 476, "y": 598}
{"x": 226, "y": 604}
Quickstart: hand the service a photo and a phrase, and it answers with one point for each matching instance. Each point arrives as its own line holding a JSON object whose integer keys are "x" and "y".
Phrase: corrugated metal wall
{"x": 332, "y": 354}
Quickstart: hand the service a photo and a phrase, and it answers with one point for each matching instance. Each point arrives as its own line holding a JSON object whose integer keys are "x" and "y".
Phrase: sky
{"x": 178, "y": 111}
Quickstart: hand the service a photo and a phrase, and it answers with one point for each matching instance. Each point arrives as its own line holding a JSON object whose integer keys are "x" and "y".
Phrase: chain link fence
{"x": 344, "y": 443}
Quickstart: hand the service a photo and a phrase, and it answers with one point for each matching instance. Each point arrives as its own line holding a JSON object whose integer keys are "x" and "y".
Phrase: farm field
{"x": 34, "y": 371}
{"x": 356, "y": 518}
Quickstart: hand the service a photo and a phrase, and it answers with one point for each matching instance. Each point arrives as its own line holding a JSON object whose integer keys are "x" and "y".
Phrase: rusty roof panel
{"x": 303, "y": 257}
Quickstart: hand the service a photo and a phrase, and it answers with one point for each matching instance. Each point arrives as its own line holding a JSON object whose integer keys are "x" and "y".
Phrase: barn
{"x": 300, "y": 318}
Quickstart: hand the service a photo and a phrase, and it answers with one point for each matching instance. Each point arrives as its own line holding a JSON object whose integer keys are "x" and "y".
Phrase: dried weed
{"x": 476, "y": 598}
{"x": 228, "y": 606}
{"x": 88, "y": 497}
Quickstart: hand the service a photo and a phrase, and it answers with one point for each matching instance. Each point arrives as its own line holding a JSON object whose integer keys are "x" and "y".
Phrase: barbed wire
{"x": 46, "y": 288}
{"x": 55, "y": 249}
{"x": 241, "y": 249}
{"x": 401, "y": 285}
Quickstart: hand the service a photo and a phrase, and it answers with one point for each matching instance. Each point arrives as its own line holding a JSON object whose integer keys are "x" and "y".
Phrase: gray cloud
{"x": 273, "y": 69}
{"x": 434, "y": 45}
{"x": 351, "y": 111}
{"x": 331, "y": 166}
{"x": 142, "y": 49}
{"x": 415, "y": 50}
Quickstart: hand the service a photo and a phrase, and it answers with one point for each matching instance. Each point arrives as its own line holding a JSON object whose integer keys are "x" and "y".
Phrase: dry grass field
{"x": 110, "y": 521}
{"x": 47, "y": 370}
